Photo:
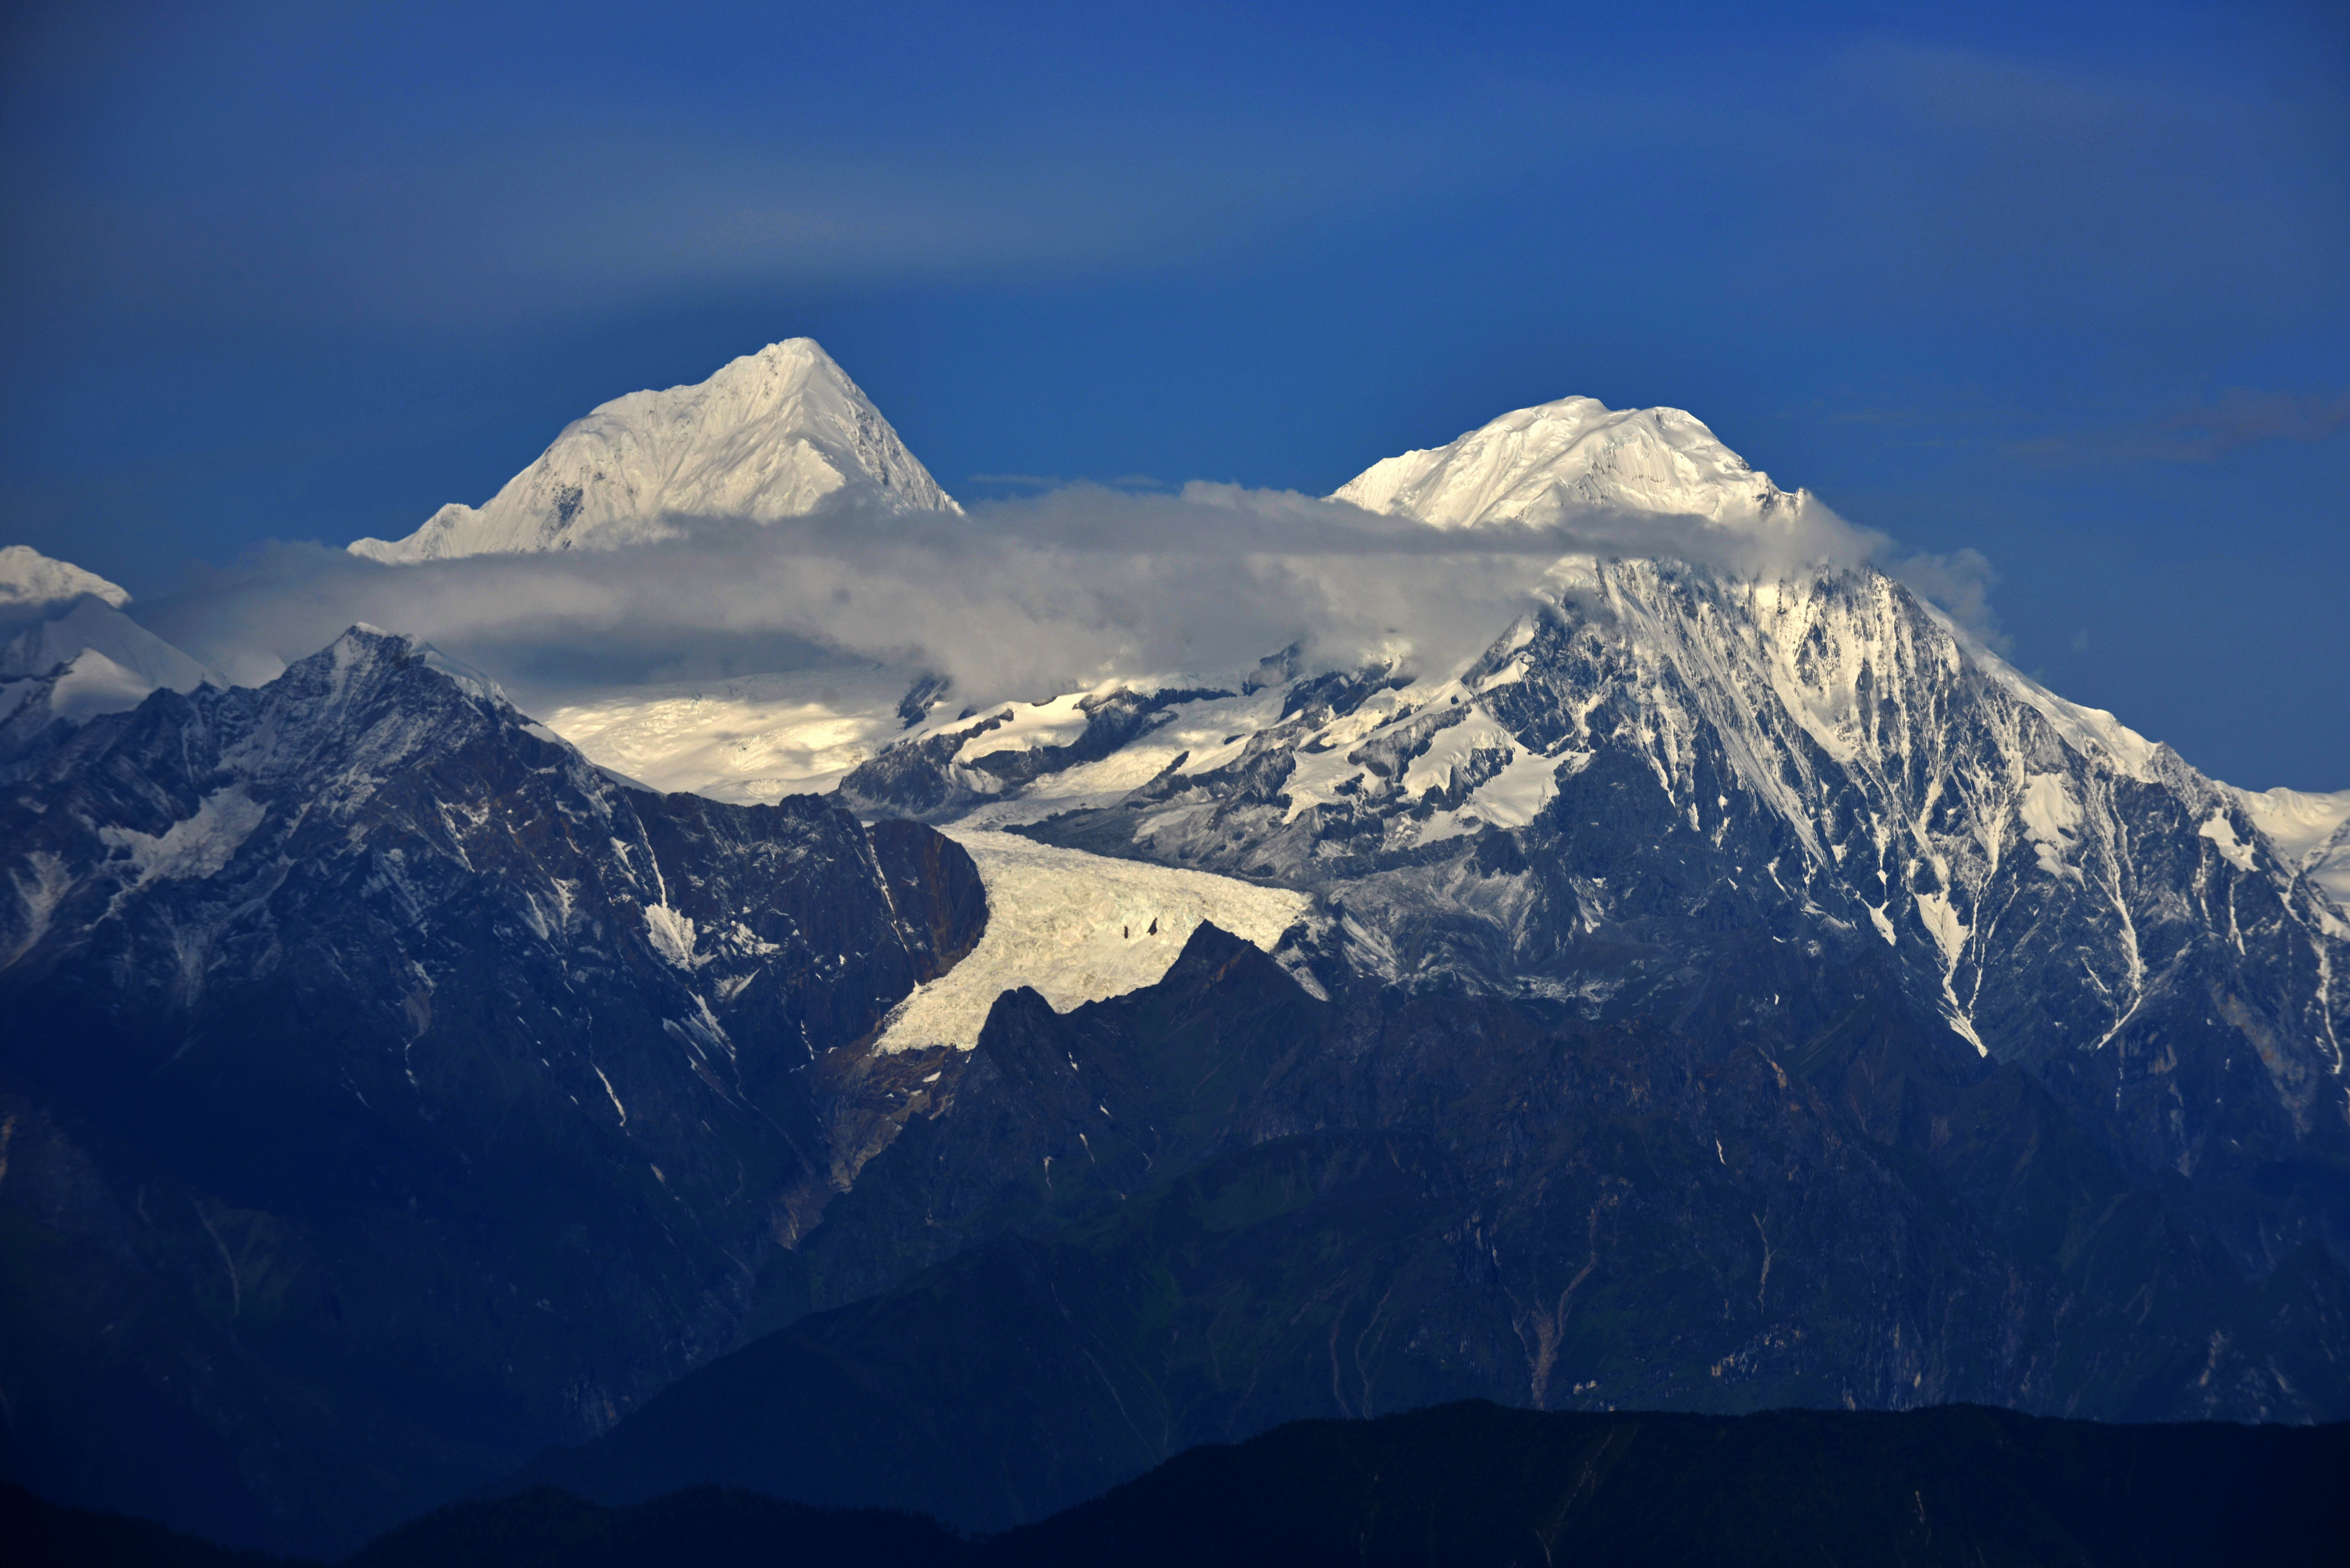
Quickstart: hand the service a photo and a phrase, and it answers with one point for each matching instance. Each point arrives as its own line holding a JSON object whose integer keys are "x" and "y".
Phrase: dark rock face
{"x": 1189, "y": 1214}
{"x": 388, "y": 1092}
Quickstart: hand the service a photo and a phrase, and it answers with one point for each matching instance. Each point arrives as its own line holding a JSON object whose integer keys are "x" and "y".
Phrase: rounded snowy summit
{"x": 1535, "y": 465}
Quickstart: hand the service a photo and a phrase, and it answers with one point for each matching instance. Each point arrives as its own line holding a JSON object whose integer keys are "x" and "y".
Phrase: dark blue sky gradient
{"x": 2069, "y": 286}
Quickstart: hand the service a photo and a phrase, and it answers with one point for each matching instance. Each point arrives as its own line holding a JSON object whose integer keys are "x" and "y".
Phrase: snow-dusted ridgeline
{"x": 2308, "y": 832}
{"x": 92, "y": 626}
{"x": 1663, "y": 750}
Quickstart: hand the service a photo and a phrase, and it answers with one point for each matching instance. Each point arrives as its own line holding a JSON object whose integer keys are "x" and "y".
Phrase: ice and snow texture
{"x": 93, "y": 684}
{"x": 1793, "y": 670}
{"x": 751, "y": 740}
{"x": 1530, "y": 466}
{"x": 193, "y": 848}
{"x": 32, "y": 581}
{"x": 771, "y": 435}
{"x": 2309, "y": 831}
{"x": 672, "y": 934}
{"x": 1077, "y": 927}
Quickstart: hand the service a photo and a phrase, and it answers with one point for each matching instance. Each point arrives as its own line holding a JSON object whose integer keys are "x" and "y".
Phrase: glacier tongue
{"x": 772, "y": 434}
{"x": 1077, "y": 927}
{"x": 1664, "y": 752}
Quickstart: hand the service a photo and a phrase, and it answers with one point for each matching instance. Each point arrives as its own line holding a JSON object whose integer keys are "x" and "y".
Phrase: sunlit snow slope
{"x": 90, "y": 625}
{"x": 1532, "y": 464}
{"x": 1663, "y": 751}
{"x": 1077, "y": 927}
{"x": 772, "y": 435}
{"x": 2310, "y": 832}
{"x": 750, "y": 740}
{"x": 91, "y": 661}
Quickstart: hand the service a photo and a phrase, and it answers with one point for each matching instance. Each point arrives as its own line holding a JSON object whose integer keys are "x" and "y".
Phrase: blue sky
{"x": 2067, "y": 286}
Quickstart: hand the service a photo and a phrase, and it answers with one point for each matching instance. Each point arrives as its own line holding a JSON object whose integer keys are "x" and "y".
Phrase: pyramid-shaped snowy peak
{"x": 772, "y": 435}
{"x": 91, "y": 625}
{"x": 1539, "y": 464}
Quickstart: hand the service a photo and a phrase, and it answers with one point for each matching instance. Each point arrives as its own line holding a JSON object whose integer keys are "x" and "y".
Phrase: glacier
{"x": 1656, "y": 747}
{"x": 1718, "y": 918}
{"x": 1078, "y": 927}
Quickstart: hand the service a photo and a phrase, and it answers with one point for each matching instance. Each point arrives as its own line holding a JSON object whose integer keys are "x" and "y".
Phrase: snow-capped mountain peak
{"x": 91, "y": 625}
{"x": 32, "y": 581}
{"x": 772, "y": 435}
{"x": 91, "y": 661}
{"x": 1532, "y": 466}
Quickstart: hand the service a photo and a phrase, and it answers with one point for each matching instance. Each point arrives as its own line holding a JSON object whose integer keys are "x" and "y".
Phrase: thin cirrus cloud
{"x": 1963, "y": 177}
{"x": 1870, "y": 174}
{"x": 2206, "y": 433}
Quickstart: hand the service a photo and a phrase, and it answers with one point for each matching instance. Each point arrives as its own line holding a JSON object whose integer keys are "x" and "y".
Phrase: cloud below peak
{"x": 1020, "y": 598}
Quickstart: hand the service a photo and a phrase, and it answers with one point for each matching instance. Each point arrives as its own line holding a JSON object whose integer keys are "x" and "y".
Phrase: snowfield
{"x": 1077, "y": 927}
{"x": 2309, "y": 831}
{"x": 750, "y": 740}
{"x": 1531, "y": 464}
{"x": 142, "y": 659}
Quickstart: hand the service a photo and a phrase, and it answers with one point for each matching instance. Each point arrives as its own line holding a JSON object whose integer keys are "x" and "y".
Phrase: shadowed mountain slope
{"x": 388, "y": 1092}
{"x": 1475, "y": 1486}
{"x": 1189, "y": 1214}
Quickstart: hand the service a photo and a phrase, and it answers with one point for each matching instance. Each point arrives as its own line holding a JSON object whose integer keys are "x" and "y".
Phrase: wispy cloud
{"x": 2206, "y": 433}
{"x": 1959, "y": 582}
{"x": 1020, "y": 598}
{"x": 1041, "y": 482}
